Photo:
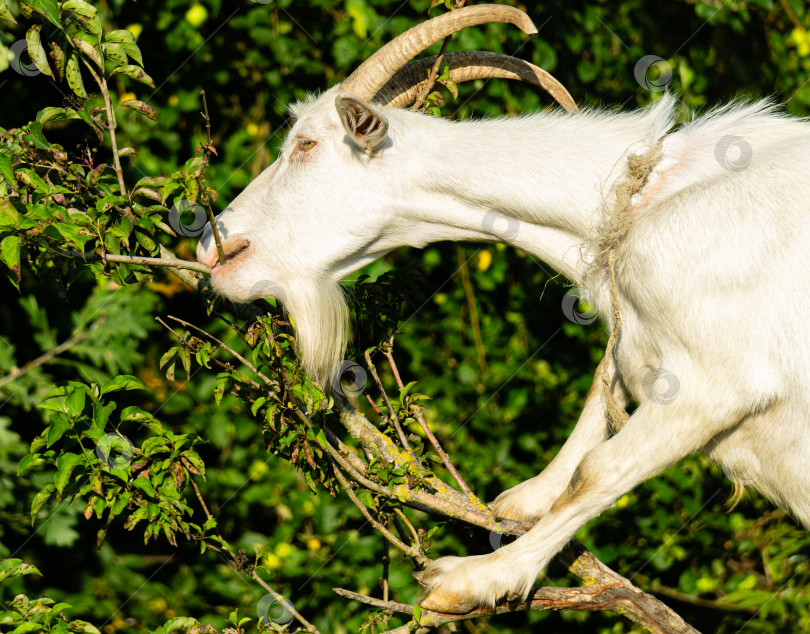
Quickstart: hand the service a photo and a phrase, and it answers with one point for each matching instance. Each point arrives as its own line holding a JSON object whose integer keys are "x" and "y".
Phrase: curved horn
{"x": 372, "y": 74}
{"x": 402, "y": 88}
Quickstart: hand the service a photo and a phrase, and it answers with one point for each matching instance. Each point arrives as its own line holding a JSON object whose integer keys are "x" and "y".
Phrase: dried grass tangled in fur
{"x": 617, "y": 223}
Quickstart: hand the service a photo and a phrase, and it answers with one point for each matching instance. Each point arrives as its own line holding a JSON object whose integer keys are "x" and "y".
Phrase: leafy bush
{"x": 109, "y": 415}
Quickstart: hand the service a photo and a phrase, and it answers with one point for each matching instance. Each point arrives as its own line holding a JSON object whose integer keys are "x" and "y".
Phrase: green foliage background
{"x": 501, "y": 414}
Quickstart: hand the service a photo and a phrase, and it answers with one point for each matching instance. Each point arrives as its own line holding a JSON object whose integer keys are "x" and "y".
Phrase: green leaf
{"x": 80, "y": 7}
{"x": 35, "y": 136}
{"x": 83, "y": 627}
{"x": 56, "y": 114}
{"x": 6, "y": 170}
{"x": 404, "y": 391}
{"x": 120, "y": 35}
{"x": 31, "y": 178}
{"x": 10, "y": 254}
{"x": 48, "y": 8}
{"x": 28, "y": 462}
{"x": 88, "y": 50}
{"x": 123, "y": 382}
{"x": 59, "y": 425}
{"x": 135, "y": 72}
{"x": 16, "y": 568}
{"x": 39, "y": 500}
{"x": 64, "y": 467}
{"x": 180, "y": 623}
{"x": 5, "y": 13}
{"x": 75, "y": 402}
{"x": 36, "y": 51}
{"x": 115, "y": 53}
{"x": 144, "y": 486}
{"x": 74, "y": 76}
{"x": 139, "y": 106}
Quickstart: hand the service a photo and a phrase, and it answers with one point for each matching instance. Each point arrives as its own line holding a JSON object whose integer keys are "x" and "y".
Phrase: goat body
{"x": 712, "y": 282}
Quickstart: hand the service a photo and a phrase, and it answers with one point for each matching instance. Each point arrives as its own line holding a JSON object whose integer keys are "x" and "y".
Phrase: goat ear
{"x": 367, "y": 127}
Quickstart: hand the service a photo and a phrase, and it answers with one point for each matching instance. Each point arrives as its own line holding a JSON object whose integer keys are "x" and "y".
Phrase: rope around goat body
{"x": 618, "y": 221}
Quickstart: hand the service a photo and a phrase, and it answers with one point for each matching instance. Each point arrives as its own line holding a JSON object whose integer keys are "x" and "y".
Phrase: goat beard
{"x": 320, "y": 315}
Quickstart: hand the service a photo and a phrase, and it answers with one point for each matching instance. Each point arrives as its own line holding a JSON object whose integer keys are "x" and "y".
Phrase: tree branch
{"x": 137, "y": 259}
{"x": 605, "y": 590}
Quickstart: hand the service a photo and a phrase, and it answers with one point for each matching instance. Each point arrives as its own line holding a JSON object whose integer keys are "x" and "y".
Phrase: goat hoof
{"x": 447, "y": 602}
{"x": 423, "y": 577}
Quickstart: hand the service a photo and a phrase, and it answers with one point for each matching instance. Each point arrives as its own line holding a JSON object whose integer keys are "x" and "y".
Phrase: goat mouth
{"x": 231, "y": 254}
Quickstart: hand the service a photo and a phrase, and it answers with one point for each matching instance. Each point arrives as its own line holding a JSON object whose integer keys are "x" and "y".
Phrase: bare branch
{"x": 137, "y": 259}
{"x": 391, "y": 411}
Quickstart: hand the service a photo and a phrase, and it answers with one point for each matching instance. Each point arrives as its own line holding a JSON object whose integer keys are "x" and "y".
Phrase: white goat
{"x": 712, "y": 278}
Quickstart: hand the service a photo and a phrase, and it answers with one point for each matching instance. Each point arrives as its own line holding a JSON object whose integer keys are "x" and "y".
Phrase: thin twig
{"x": 224, "y": 548}
{"x": 391, "y": 411}
{"x": 475, "y": 324}
{"x": 49, "y": 356}
{"x": 267, "y": 381}
{"x": 424, "y": 92}
{"x": 386, "y": 562}
{"x": 657, "y": 587}
{"x": 388, "y": 352}
{"x": 412, "y": 551}
{"x": 186, "y": 276}
{"x": 389, "y": 606}
{"x": 203, "y": 191}
{"x": 284, "y": 602}
{"x": 791, "y": 14}
{"x": 137, "y": 259}
{"x": 414, "y": 534}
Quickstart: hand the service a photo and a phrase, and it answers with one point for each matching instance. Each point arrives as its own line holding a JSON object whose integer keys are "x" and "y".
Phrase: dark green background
{"x": 501, "y": 424}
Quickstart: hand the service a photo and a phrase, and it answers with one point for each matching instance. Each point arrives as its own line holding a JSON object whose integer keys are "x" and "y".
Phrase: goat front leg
{"x": 655, "y": 437}
{"x": 532, "y": 499}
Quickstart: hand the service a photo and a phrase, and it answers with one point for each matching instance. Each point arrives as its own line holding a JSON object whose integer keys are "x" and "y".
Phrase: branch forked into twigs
{"x": 391, "y": 411}
{"x": 388, "y": 352}
{"x": 605, "y": 590}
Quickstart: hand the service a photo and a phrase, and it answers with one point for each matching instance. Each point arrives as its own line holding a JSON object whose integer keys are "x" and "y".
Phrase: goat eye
{"x": 306, "y": 144}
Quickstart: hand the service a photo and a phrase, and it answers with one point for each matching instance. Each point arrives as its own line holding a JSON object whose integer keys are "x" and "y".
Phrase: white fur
{"x": 713, "y": 283}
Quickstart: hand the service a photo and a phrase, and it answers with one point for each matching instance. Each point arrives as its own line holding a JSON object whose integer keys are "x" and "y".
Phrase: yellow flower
{"x": 272, "y": 562}
{"x": 135, "y": 29}
{"x": 798, "y": 38}
{"x": 284, "y": 550}
{"x": 313, "y": 544}
{"x": 196, "y": 15}
{"x": 484, "y": 260}
{"x": 126, "y": 96}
